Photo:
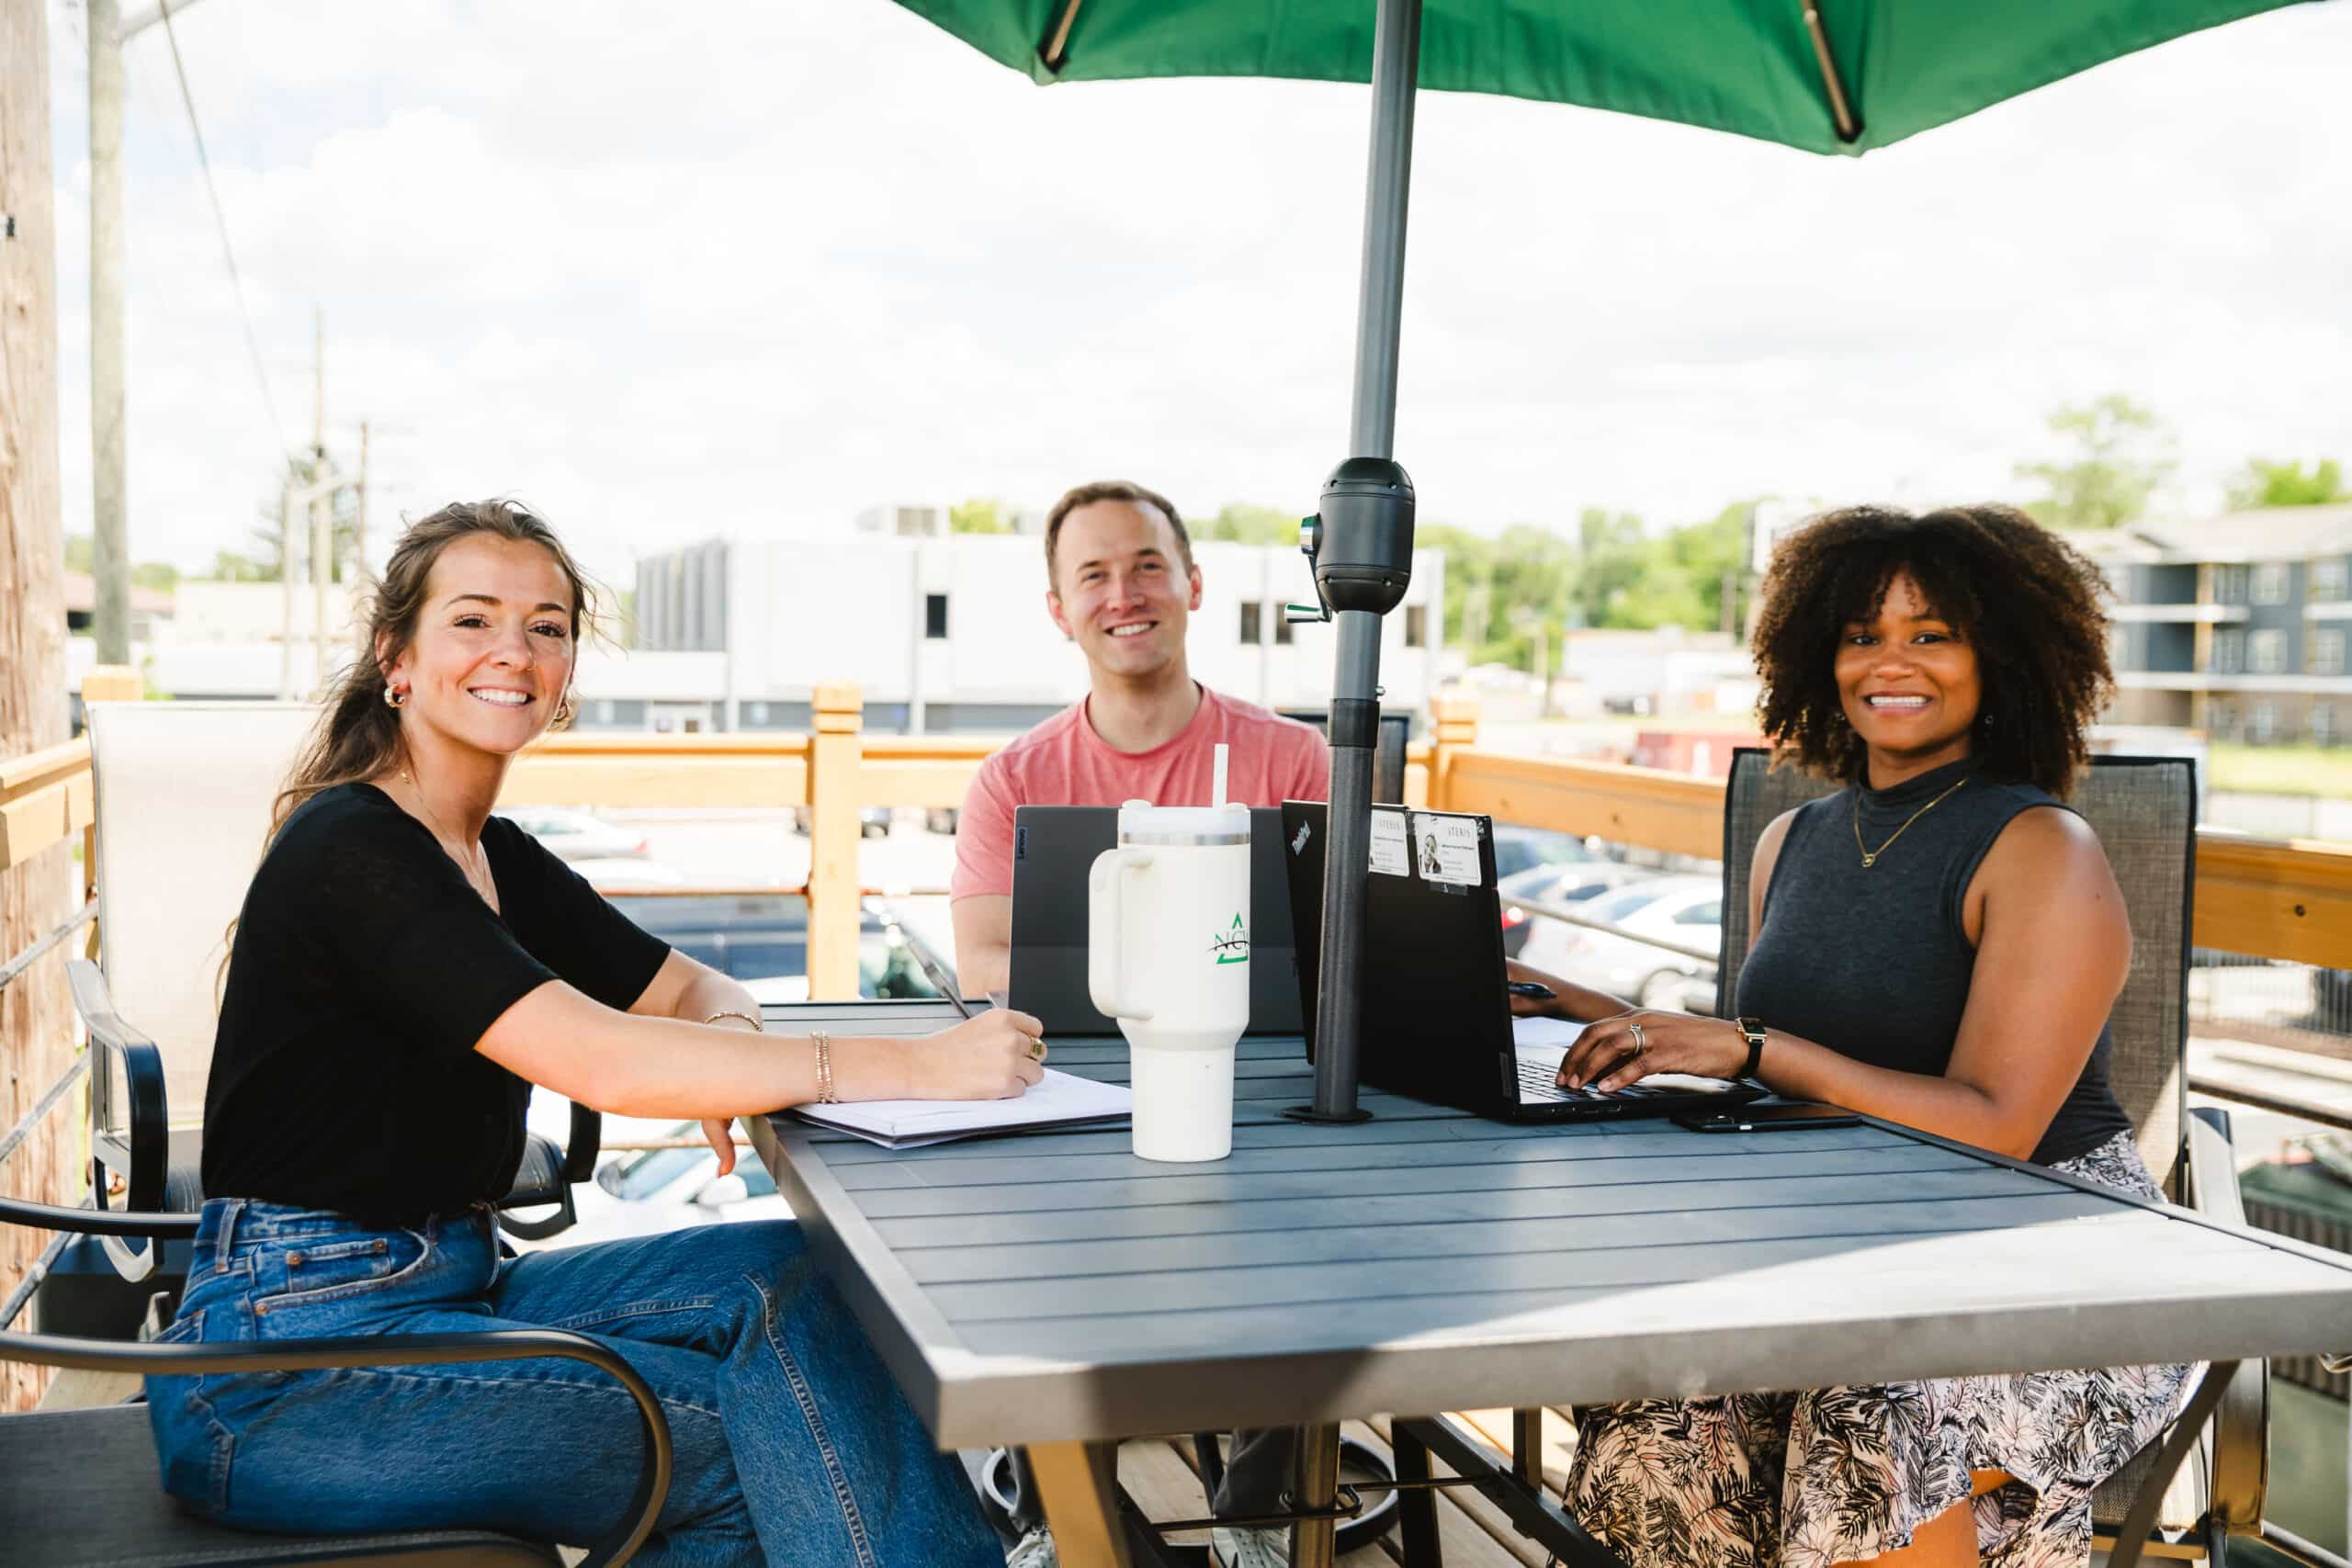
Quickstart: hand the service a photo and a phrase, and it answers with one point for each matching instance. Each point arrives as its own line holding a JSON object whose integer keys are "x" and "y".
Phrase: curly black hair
{"x": 2029, "y": 603}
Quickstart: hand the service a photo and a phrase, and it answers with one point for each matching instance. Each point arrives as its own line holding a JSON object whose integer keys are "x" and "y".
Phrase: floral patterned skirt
{"x": 1809, "y": 1479}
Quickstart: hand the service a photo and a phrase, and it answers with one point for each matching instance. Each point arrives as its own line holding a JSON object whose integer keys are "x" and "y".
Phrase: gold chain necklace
{"x": 1870, "y": 856}
{"x": 476, "y": 876}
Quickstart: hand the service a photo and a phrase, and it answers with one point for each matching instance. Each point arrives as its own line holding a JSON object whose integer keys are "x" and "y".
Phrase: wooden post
{"x": 35, "y": 1018}
{"x": 1081, "y": 1482}
{"x": 833, "y": 886}
{"x": 1453, "y": 728}
{"x": 112, "y": 684}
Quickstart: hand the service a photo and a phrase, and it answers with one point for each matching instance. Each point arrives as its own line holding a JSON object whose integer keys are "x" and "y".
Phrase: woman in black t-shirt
{"x": 1945, "y": 668}
{"x": 405, "y": 967}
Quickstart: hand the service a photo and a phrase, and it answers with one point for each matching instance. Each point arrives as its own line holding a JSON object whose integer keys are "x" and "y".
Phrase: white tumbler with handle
{"x": 1168, "y": 956}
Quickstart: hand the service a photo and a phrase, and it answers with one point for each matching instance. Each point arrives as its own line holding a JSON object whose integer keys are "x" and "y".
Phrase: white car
{"x": 1685, "y": 910}
{"x": 571, "y": 833}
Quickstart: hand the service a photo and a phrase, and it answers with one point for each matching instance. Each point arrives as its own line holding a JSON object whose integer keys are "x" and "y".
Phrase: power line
{"x": 227, "y": 252}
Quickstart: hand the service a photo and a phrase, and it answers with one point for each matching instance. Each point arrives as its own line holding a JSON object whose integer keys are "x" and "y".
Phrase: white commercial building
{"x": 952, "y": 632}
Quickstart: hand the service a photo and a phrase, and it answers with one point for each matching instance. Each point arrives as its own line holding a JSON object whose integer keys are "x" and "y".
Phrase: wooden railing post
{"x": 1453, "y": 728}
{"x": 833, "y": 905}
{"x": 112, "y": 684}
{"x": 103, "y": 683}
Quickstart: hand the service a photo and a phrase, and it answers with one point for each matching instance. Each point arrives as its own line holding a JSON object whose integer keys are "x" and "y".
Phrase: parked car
{"x": 1518, "y": 849}
{"x": 873, "y": 821}
{"x": 762, "y": 940}
{"x": 572, "y": 833}
{"x": 1685, "y": 910}
{"x": 1573, "y": 883}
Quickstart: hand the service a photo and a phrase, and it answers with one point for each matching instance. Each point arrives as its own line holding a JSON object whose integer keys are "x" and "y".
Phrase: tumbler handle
{"x": 1105, "y": 931}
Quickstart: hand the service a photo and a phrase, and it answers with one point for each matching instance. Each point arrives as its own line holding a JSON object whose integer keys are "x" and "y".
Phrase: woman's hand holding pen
{"x": 995, "y": 1054}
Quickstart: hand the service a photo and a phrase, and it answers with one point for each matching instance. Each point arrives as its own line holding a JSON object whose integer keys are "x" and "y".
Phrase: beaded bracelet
{"x": 824, "y": 1044}
{"x": 756, "y": 1026}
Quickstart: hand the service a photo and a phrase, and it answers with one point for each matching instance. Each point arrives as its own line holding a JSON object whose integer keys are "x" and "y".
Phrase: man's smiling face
{"x": 1123, "y": 590}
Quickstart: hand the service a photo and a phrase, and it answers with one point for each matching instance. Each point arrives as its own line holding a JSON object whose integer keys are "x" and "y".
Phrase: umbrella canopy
{"x": 1823, "y": 75}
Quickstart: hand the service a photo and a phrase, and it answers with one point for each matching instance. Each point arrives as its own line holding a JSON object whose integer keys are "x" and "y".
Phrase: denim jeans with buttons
{"x": 793, "y": 1443}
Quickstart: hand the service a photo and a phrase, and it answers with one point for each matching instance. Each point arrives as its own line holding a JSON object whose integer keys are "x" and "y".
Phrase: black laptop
{"x": 1053, "y": 849}
{"x": 1436, "y": 1021}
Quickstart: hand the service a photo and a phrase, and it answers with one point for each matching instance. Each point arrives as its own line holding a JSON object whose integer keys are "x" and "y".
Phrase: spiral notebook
{"x": 1058, "y": 1101}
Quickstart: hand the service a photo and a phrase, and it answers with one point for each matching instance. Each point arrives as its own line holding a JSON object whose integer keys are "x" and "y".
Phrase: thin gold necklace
{"x": 1870, "y": 856}
{"x": 465, "y": 862}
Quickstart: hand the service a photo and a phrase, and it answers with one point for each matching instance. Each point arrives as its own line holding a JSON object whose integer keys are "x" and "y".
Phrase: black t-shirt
{"x": 364, "y": 971}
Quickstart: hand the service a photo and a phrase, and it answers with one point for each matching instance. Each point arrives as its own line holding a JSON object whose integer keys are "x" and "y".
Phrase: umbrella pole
{"x": 1361, "y": 543}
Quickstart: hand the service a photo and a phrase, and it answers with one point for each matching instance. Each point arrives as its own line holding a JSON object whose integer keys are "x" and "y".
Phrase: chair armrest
{"x": 96, "y": 1221}
{"x": 2242, "y": 1422}
{"x": 580, "y": 1150}
{"x": 392, "y": 1350}
{"x": 118, "y": 1046}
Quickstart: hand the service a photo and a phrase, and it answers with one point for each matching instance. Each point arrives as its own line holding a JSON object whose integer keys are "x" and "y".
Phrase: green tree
{"x": 1249, "y": 524}
{"x": 2266, "y": 483}
{"x": 981, "y": 515}
{"x": 230, "y": 566}
{"x": 80, "y": 554}
{"x": 2121, "y": 452}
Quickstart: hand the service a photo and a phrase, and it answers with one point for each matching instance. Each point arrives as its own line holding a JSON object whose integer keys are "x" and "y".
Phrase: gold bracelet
{"x": 757, "y": 1027}
{"x": 824, "y": 1044}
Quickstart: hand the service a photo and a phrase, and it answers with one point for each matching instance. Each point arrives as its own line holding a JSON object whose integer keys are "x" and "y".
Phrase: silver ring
{"x": 1641, "y": 1043}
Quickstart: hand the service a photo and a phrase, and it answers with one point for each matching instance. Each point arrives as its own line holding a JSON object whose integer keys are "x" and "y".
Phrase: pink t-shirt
{"x": 1064, "y": 763}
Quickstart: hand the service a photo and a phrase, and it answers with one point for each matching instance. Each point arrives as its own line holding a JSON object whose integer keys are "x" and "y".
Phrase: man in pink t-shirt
{"x": 1121, "y": 584}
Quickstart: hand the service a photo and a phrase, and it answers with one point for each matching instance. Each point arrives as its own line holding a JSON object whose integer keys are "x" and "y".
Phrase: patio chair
{"x": 81, "y": 1487}
{"x": 2145, "y": 811}
{"x": 184, "y": 793}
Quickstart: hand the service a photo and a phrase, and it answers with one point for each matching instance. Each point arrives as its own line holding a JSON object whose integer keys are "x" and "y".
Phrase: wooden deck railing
{"x": 2270, "y": 898}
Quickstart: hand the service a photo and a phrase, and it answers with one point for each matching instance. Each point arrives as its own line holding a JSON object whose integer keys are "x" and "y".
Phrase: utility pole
{"x": 110, "y": 462}
{"x": 321, "y": 504}
{"x": 109, "y": 551}
{"x": 359, "y": 522}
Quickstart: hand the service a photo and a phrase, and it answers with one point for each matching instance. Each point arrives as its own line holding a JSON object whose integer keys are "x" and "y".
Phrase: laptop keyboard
{"x": 1538, "y": 1084}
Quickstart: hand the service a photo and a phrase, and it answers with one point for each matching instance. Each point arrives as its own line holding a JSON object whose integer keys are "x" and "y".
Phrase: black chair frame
{"x": 622, "y": 1542}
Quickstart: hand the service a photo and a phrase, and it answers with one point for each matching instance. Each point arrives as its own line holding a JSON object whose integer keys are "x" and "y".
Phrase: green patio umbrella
{"x": 1823, "y": 75}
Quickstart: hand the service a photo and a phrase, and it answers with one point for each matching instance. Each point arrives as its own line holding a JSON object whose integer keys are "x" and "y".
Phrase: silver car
{"x": 1687, "y": 911}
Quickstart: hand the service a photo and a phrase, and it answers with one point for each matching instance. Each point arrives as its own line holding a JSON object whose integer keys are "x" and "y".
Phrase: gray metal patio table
{"x": 1052, "y": 1290}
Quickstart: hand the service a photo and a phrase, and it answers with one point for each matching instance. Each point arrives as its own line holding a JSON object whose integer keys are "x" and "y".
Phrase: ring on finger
{"x": 1641, "y": 1043}
{"x": 1037, "y": 1048}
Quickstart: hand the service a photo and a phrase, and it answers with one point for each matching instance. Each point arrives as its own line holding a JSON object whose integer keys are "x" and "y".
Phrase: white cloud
{"x": 753, "y": 271}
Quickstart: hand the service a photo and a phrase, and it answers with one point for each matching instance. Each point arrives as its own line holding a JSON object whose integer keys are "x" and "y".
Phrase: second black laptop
{"x": 1436, "y": 1021}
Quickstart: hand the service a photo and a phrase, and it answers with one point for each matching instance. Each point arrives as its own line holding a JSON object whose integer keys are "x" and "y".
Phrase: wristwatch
{"x": 1752, "y": 1031}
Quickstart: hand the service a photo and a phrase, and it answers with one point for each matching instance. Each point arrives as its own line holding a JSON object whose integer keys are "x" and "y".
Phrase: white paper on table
{"x": 1056, "y": 1099}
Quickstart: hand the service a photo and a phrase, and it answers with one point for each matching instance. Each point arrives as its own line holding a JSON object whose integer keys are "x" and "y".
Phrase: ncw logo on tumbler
{"x": 1168, "y": 956}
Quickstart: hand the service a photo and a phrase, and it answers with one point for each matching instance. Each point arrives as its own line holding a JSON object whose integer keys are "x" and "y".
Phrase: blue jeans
{"x": 793, "y": 1444}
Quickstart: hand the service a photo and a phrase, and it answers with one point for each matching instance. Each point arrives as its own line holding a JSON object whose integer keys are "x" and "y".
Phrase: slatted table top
{"x": 1051, "y": 1287}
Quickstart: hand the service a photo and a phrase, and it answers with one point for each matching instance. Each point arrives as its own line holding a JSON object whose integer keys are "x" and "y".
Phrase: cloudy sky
{"x": 746, "y": 267}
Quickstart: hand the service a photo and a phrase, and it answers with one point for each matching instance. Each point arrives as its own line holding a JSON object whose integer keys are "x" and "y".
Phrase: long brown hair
{"x": 358, "y": 735}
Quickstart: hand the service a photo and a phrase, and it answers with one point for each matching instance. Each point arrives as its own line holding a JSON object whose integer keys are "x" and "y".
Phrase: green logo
{"x": 1232, "y": 946}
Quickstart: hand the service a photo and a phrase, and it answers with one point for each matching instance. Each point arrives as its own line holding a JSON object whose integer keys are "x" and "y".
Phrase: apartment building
{"x": 2236, "y": 625}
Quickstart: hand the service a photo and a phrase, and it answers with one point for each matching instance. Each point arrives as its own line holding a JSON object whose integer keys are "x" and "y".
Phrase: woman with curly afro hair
{"x": 1945, "y": 668}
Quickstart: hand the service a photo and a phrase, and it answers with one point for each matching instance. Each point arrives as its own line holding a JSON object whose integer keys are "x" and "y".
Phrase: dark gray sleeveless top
{"x": 1874, "y": 963}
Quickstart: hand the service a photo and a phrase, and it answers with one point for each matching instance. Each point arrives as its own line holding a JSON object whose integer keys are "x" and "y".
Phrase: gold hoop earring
{"x": 395, "y": 697}
{"x": 565, "y": 709}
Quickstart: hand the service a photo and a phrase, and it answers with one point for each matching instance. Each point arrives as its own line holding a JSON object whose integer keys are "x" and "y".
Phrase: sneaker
{"x": 1250, "y": 1548}
{"x": 1035, "y": 1550}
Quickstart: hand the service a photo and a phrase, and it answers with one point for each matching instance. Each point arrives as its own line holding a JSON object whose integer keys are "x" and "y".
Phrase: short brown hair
{"x": 1111, "y": 489}
{"x": 2025, "y": 600}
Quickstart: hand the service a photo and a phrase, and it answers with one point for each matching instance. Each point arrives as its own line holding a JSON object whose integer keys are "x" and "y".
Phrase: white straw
{"x": 1216, "y": 786}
